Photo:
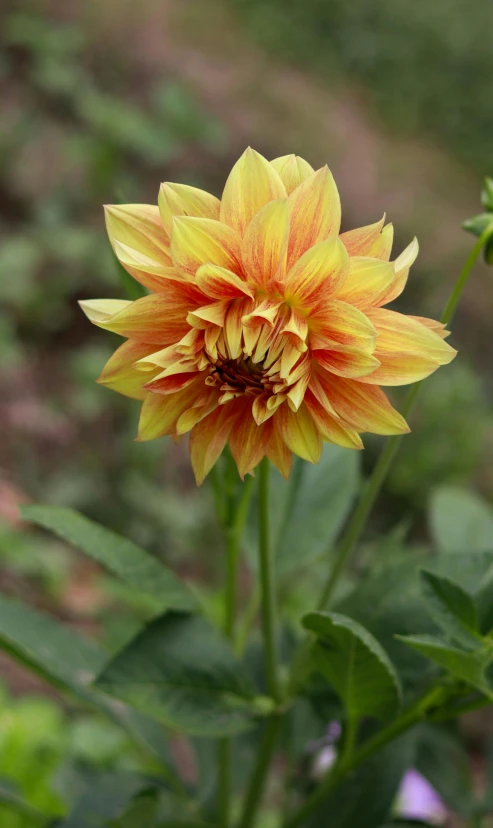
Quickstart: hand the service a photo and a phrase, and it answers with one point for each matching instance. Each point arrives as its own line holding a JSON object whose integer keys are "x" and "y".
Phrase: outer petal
{"x": 315, "y": 213}
{"x": 292, "y": 170}
{"x": 183, "y": 200}
{"x": 331, "y": 428}
{"x": 148, "y": 272}
{"x": 299, "y": 432}
{"x": 318, "y": 274}
{"x": 247, "y": 440}
{"x": 251, "y": 183}
{"x": 350, "y": 362}
{"x": 399, "y": 333}
{"x": 279, "y": 454}
{"x": 159, "y": 414}
{"x": 265, "y": 244}
{"x": 339, "y": 322}
{"x": 138, "y": 227}
{"x": 207, "y": 440}
{"x": 195, "y": 241}
{"x": 360, "y": 241}
{"x": 364, "y": 407}
{"x": 219, "y": 283}
{"x": 98, "y": 311}
{"x": 367, "y": 282}
{"x": 382, "y": 247}
{"x": 397, "y": 368}
{"x": 402, "y": 266}
{"x": 119, "y": 373}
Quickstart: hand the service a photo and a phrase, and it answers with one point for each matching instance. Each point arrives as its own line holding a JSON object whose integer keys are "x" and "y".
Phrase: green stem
{"x": 259, "y": 774}
{"x": 371, "y": 490}
{"x": 266, "y": 573}
{"x": 416, "y": 713}
{"x": 224, "y": 761}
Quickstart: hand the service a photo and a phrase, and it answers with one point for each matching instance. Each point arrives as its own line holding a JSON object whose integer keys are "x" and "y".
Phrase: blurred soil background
{"x": 101, "y": 101}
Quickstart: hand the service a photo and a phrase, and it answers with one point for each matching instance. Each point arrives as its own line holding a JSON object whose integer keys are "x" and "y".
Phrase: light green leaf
{"x": 119, "y": 555}
{"x": 478, "y": 224}
{"x": 487, "y": 194}
{"x": 69, "y": 660}
{"x": 107, "y": 798}
{"x": 452, "y": 608}
{"x": 460, "y": 520}
{"x": 182, "y": 671}
{"x": 356, "y": 665}
{"x": 466, "y": 666}
{"x": 11, "y": 797}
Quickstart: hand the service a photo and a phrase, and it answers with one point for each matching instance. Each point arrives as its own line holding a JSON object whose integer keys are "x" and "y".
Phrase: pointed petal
{"x": 331, "y": 428}
{"x": 367, "y": 282}
{"x": 139, "y": 227}
{"x": 119, "y": 373}
{"x": 172, "y": 383}
{"x": 159, "y": 319}
{"x": 382, "y": 246}
{"x": 342, "y": 323}
{"x": 292, "y": 170}
{"x": 299, "y": 432}
{"x": 196, "y": 241}
{"x": 397, "y": 368}
{"x": 145, "y": 270}
{"x": 213, "y": 314}
{"x": 207, "y": 440}
{"x": 98, "y": 311}
{"x": 364, "y": 407}
{"x": 399, "y": 333}
{"x": 265, "y": 244}
{"x": 315, "y": 213}
{"x": 320, "y": 273}
{"x": 233, "y": 328}
{"x": 219, "y": 283}
{"x": 251, "y": 183}
{"x": 359, "y": 242}
{"x": 402, "y": 266}
{"x": 183, "y": 200}
{"x": 438, "y": 327}
{"x": 248, "y": 441}
{"x": 279, "y": 454}
{"x": 350, "y": 362}
{"x": 159, "y": 414}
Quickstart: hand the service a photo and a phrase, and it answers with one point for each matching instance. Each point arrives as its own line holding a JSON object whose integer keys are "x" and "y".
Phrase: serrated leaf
{"x": 452, "y": 608}
{"x": 183, "y": 672}
{"x": 487, "y": 194}
{"x": 107, "y": 798}
{"x": 356, "y": 665}
{"x": 460, "y": 520}
{"x": 466, "y": 666}
{"x": 118, "y": 555}
{"x": 69, "y": 660}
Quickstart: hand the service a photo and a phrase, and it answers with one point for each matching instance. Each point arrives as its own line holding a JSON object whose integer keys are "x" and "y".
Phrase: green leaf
{"x": 366, "y": 798}
{"x": 443, "y": 761}
{"x": 69, "y": 660}
{"x": 182, "y": 671}
{"x": 487, "y": 194}
{"x": 488, "y": 251}
{"x": 460, "y": 520}
{"x": 478, "y": 224}
{"x": 119, "y": 555}
{"x": 106, "y": 799}
{"x": 11, "y": 797}
{"x": 466, "y": 666}
{"x": 452, "y": 608}
{"x": 356, "y": 665}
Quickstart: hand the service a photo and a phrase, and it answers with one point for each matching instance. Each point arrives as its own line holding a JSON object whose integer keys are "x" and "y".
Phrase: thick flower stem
{"x": 374, "y": 484}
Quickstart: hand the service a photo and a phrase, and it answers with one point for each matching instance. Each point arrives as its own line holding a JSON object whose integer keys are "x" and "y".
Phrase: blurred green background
{"x": 100, "y": 103}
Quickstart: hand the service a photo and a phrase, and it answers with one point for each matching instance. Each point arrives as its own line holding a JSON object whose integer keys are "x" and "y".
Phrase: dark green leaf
{"x": 478, "y": 224}
{"x": 106, "y": 799}
{"x": 488, "y": 251}
{"x": 443, "y": 761}
{"x": 356, "y": 665}
{"x": 487, "y": 194}
{"x": 452, "y": 608}
{"x": 119, "y": 555}
{"x": 460, "y": 520}
{"x": 466, "y": 666}
{"x": 181, "y": 671}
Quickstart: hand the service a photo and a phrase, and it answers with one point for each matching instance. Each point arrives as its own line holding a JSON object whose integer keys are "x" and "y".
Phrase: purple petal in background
{"x": 418, "y": 800}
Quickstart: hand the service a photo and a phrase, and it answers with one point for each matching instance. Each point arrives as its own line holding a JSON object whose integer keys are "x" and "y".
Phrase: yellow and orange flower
{"x": 265, "y": 328}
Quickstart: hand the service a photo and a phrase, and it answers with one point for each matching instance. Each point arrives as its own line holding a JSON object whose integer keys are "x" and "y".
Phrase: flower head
{"x": 265, "y": 328}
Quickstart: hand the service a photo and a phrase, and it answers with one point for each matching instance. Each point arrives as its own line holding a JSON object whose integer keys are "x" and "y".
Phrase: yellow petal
{"x": 98, "y": 311}
{"x": 265, "y": 244}
{"x": 251, "y": 183}
{"x": 364, "y": 407}
{"x": 331, "y": 428}
{"x": 397, "y": 332}
{"x": 248, "y": 441}
{"x": 318, "y": 274}
{"x": 138, "y": 227}
{"x": 219, "y": 283}
{"x": 183, "y": 200}
{"x": 340, "y": 322}
{"x": 195, "y": 241}
{"x": 299, "y": 432}
{"x": 397, "y": 368}
{"x": 367, "y": 282}
{"x": 159, "y": 414}
{"x": 207, "y": 440}
{"x": 292, "y": 170}
{"x": 159, "y": 319}
{"x": 279, "y": 454}
{"x": 145, "y": 270}
{"x": 120, "y": 374}
{"x": 315, "y": 213}
{"x": 359, "y": 242}
{"x": 402, "y": 266}
{"x": 382, "y": 246}
{"x": 350, "y": 362}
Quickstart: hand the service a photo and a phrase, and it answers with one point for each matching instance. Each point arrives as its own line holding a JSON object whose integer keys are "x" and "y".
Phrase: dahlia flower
{"x": 265, "y": 328}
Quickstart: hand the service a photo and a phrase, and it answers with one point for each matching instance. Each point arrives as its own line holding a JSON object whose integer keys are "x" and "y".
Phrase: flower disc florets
{"x": 265, "y": 327}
